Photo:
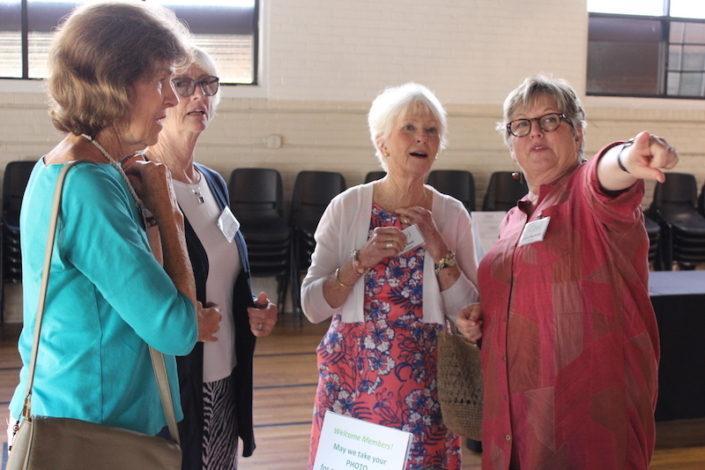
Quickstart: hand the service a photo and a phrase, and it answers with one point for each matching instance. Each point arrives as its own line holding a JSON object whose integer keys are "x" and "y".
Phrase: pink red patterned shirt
{"x": 383, "y": 370}
{"x": 570, "y": 347}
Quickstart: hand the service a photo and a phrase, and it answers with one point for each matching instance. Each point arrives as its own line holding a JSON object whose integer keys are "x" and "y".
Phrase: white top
{"x": 224, "y": 265}
{"x": 344, "y": 227}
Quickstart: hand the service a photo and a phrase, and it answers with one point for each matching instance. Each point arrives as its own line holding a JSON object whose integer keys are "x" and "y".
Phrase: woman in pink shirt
{"x": 570, "y": 343}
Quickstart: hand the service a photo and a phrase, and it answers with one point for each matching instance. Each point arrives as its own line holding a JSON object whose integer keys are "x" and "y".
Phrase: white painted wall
{"x": 324, "y": 61}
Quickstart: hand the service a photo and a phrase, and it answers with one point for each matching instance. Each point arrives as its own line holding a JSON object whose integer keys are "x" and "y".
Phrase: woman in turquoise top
{"x": 109, "y": 296}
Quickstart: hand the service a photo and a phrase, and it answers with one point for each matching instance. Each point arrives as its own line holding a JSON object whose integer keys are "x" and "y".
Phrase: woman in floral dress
{"x": 388, "y": 301}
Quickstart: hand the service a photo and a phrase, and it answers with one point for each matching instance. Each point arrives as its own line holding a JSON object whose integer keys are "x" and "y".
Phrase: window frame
{"x": 27, "y": 84}
{"x": 666, "y": 20}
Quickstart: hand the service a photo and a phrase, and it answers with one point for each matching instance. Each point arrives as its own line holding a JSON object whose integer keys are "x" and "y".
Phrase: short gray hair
{"x": 396, "y": 101}
{"x": 531, "y": 90}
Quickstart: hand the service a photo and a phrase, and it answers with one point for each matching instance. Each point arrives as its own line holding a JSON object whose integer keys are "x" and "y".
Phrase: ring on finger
{"x": 259, "y": 327}
{"x": 389, "y": 245}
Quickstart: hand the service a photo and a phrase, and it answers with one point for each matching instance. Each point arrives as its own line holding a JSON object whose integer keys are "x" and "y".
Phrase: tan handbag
{"x": 459, "y": 384}
{"x": 44, "y": 443}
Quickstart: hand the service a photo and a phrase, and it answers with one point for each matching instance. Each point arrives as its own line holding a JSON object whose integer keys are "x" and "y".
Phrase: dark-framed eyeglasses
{"x": 548, "y": 123}
{"x": 185, "y": 86}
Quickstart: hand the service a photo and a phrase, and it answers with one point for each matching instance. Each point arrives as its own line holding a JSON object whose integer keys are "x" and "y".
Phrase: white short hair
{"x": 397, "y": 101}
{"x": 202, "y": 59}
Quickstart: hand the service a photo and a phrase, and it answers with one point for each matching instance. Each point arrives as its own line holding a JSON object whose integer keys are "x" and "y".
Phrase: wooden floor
{"x": 285, "y": 382}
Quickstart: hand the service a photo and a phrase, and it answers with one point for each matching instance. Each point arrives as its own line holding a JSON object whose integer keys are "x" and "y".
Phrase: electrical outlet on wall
{"x": 273, "y": 141}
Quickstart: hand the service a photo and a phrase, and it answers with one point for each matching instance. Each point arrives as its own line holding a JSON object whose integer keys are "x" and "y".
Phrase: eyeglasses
{"x": 548, "y": 123}
{"x": 185, "y": 86}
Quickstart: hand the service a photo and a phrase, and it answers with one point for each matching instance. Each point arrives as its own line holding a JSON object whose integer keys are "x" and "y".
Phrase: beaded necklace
{"x": 114, "y": 163}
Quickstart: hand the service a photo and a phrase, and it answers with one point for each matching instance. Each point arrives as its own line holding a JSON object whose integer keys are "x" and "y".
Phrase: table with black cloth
{"x": 678, "y": 298}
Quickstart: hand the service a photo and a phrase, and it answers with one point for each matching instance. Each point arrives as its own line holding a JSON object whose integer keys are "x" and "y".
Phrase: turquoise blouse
{"x": 107, "y": 299}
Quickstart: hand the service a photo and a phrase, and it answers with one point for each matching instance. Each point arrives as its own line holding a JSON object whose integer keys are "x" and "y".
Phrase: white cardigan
{"x": 344, "y": 227}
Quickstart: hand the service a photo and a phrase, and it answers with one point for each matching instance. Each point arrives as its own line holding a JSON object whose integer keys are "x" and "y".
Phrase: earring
{"x": 386, "y": 154}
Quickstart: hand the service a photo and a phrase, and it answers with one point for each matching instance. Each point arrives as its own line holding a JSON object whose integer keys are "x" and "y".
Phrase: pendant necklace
{"x": 197, "y": 192}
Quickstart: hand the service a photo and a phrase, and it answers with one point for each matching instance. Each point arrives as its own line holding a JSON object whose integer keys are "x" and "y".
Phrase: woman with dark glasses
{"x": 216, "y": 377}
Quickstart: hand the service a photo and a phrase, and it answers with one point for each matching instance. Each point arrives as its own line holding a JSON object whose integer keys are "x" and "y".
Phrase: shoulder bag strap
{"x": 165, "y": 392}
{"x": 157, "y": 357}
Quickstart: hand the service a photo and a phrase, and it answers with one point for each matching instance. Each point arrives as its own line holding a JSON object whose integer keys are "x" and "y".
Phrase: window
{"x": 226, "y": 29}
{"x": 650, "y": 48}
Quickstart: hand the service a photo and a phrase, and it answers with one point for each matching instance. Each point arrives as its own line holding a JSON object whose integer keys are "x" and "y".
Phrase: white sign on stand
{"x": 485, "y": 226}
{"x": 353, "y": 444}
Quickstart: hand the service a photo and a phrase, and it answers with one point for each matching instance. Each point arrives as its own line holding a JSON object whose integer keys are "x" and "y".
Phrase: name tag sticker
{"x": 534, "y": 231}
{"x": 228, "y": 224}
{"x": 413, "y": 238}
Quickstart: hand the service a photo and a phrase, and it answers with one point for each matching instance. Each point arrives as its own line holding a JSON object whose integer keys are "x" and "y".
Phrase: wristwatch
{"x": 448, "y": 261}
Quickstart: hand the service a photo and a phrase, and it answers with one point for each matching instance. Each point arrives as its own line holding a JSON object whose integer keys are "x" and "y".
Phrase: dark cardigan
{"x": 191, "y": 367}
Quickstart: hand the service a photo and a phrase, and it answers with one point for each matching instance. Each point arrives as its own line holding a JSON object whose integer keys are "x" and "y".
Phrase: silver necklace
{"x": 197, "y": 192}
{"x": 199, "y": 196}
{"x": 114, "y": 163}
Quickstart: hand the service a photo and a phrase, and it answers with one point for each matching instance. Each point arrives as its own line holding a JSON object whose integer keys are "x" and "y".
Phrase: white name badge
{"x": 534, "y": 231}
{"x": 228, "y": 224}
{"x": 413, "y": 238}
{"x": 349, "y": 443}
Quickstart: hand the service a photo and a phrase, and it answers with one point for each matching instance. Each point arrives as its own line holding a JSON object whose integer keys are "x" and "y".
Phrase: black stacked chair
{"x": 257, "y": 202}
{"x": 674, "y": 207}
{"x": 701, "y": 201}
{"x": 14, "y": 183}
{"x": 459, "y": 184}
{"x": 374, "y": 176}
{"x": 654, "y": 231}
{"x": 313, "y": 191}
{"x": 504, "y": 190}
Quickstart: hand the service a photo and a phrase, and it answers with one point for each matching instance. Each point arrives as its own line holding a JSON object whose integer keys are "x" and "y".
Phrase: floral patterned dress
{"x": 383, "y": 370}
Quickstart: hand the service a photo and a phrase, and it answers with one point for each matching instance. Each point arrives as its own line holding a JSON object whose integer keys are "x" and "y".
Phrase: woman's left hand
{"x": 648, "y": 156}
{"x": 263, "y": 316}
{"x": 152, "y": 183}
{"x": 469, "y": 323}
{"x": 423, "y": 219}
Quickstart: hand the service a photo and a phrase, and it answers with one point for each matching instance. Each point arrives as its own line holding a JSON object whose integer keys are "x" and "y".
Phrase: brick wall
{"x": 325, "y": 60}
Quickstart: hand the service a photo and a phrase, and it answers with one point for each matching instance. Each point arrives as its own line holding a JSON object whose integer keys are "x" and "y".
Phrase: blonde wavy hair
{"x": 97, "y": 55}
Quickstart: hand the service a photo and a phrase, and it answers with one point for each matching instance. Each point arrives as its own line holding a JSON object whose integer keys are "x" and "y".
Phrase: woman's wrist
{"x": 447, "y": 261}
{"x": 357, "y": 264}
{"x": 341, "y": 283}
{"x": 358, "y": 270}
{"x": 170, "y": 218}
{"x": 620, "y": 163}
{"x": 149, "y": 219}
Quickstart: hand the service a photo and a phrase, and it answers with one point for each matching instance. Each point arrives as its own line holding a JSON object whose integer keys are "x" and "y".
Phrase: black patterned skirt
{"x": 219, "y": 426}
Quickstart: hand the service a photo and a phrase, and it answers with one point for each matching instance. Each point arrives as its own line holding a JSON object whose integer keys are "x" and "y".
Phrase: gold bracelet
{"x": 337, "y": 279}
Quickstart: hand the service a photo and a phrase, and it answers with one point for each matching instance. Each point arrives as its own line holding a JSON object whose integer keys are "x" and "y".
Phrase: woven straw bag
{"x": 460, "y": 384}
